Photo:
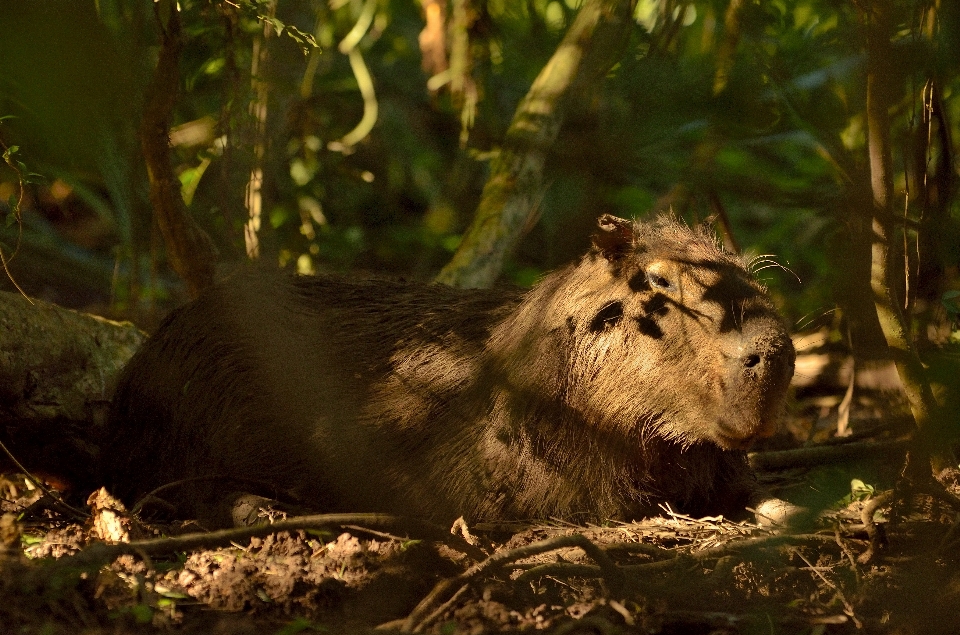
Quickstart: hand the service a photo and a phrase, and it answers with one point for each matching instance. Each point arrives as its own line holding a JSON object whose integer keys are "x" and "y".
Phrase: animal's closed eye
{"x": 657, "y": 281}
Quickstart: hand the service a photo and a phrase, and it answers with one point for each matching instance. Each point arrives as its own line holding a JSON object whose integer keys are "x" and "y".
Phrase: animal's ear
{"x": 615, "y": 236}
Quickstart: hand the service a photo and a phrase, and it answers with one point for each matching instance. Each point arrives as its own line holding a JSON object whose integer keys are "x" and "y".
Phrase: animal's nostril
{"x": 751, "y": 360}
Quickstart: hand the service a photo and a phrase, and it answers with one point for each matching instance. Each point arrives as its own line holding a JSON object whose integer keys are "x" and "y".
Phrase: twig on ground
{"x": 847, "y": 553}
{"x": 443, "y": 608}
{"x": 55, "y": 497}
{"x": 152, "y": 494}
{"x": 373, "y": 532}
{"x": 848, "y": 608}
{"x": 561, "y": 569}
{"x": 638, "y": 547}
{"x": 426, "y": 613}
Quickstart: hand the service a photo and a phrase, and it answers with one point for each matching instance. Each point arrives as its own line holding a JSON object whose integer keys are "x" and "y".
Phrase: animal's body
{"x": 632, "y": 378}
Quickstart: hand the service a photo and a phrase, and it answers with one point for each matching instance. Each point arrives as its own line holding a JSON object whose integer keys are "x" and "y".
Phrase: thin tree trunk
{"x": 191, "y": 252}
{"x": 682, "y": 194}
{"x": 508, "y": 206}
{"x": 892, "y": 320}
{"x": 258, "y": 112}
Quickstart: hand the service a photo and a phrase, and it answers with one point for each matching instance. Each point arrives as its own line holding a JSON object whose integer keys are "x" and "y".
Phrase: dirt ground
{"x": 670, "y": 574}
{"x": 110, "y": 573}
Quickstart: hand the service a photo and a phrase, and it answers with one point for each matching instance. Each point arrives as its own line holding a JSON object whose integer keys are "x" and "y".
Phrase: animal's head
{"x": 668, "y": 333}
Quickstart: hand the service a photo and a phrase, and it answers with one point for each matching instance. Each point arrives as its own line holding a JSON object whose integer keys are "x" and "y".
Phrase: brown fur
{"x": 632, "y": 378}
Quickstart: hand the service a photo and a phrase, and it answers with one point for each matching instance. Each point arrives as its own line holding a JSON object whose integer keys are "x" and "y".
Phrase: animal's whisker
{"x": 800, "y": 325}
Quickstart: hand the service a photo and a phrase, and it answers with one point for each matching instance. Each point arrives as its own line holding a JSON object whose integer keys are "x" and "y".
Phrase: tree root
{"x": 447, "y": 591}
{"x": 445, "y": 595}
{"x": 874, "y": 533}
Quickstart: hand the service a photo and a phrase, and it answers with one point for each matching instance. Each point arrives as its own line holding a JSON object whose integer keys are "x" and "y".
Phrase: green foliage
{"x": 770, "y": 133}
{"x": 859, "y": 491}
{"x": 24, "y": 178}
{"x": 261, "y": 10}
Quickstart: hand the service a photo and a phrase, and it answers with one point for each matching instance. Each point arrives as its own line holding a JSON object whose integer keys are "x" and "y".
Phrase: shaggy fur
{"x": 633, "y": 378}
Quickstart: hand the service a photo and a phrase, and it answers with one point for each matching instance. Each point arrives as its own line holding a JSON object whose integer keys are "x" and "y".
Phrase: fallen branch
{"x": 673, "y": 559}
{"x": 102, "y": 553}
{"x": 821, "y": 454}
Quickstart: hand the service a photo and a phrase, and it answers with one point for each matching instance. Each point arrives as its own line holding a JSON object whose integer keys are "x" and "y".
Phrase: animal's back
{"x": 270, "y": 378}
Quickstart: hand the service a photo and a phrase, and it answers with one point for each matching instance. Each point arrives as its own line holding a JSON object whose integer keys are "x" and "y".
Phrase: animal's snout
{"x": 763, "y": 353}
{"x": 759, "y": 364}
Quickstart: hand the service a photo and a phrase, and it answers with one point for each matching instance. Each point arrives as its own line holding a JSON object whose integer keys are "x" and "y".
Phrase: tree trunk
{"x": 508, "y": 206}
{"x": 892, "y": 320}
{"x": 191, "y": 252}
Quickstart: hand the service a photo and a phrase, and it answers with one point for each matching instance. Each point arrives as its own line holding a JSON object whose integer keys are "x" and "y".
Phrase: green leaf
{"x": 174, "y": 595}
{"x": 858, "y": 491}
{"x": 305, "y": 41}
{"x": 277, "y": 25}
{"x": 190, "y": 179}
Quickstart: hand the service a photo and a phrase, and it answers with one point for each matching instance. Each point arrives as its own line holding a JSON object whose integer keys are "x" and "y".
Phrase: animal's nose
{"x": 762, "y": 350}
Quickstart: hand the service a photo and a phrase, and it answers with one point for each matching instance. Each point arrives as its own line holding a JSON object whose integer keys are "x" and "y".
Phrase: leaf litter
{"x": 675, "y": 574}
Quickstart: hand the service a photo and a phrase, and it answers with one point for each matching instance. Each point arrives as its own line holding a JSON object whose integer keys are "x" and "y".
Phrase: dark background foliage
{"x": 759, "y": 120}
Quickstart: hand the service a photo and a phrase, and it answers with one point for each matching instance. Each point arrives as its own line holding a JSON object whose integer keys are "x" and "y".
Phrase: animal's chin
{"x": 742, "y": 432}
{"x": 734, "y": 443}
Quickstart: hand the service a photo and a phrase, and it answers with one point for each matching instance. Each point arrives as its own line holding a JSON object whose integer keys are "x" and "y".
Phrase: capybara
{"x": 633, "y": 378}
